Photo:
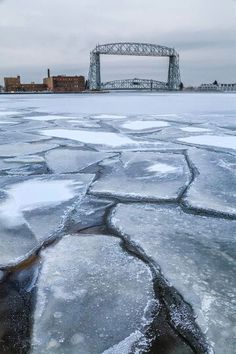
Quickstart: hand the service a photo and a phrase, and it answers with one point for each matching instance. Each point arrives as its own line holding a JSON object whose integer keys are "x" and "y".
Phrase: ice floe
{"x": 143, "y": 176}
{"x": 195, "y": 129}
{"x": 214, "y": 186}
{"x": 92, "y": 299}
{"x": 227, "y": 142}
{"x": 139, "y": 125}
{"x": 196, "y": 255}
{"x": 90, "y": 137}
{"x": 34, "y": 209}
{"x": 19, "y": 149}
{"x": 71, "y": 160}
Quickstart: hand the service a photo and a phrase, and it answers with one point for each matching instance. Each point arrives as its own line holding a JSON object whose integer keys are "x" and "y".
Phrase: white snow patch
{"x": 9, "y": 113}
{"x": 7, "y": 122}
{"x": 33, "y": 194}
{"x": 161, "y": 168}
{"x": 90, "y": 137}
{"x": 108, "y": 116}
{"x": 228, "y": 142}
{"x": 142, "y": 124}
{"x": 50, "y": 117}
{"x": 195, "y": 129}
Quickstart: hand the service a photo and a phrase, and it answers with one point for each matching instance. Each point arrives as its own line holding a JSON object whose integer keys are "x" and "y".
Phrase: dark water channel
{"x": 17, "y": 297}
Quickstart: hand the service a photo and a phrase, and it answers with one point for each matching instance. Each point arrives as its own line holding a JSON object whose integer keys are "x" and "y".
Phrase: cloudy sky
{"x": 37, "y": 34}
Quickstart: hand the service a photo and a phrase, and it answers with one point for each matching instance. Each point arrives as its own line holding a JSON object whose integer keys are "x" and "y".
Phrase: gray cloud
{"x": 60, "y": 34}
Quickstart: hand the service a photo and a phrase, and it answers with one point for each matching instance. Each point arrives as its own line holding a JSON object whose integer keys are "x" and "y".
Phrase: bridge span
{"x": 135, "y": 84}
{"x": 135, "y": 49}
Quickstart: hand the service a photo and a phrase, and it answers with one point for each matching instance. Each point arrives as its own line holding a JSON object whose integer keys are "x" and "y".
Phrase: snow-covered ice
{"x": 34, "y": 209}
{"x": 144, "y": 124}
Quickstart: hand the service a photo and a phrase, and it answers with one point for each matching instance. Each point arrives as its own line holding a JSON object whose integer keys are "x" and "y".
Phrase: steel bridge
{"x": 136, "y": 49}
{"x": 134, "y": 84}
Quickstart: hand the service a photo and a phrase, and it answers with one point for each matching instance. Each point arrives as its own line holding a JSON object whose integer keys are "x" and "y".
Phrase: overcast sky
{"x": 59, "y": 34}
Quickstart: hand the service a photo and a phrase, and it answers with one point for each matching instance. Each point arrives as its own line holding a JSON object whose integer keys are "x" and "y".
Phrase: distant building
{"x": 63, "y": 83}
{"x": 13, "y": 84}
{"x": 209, "y": 87}
{"x": 59, "y": 83}
{"x": 228, "y": 87}
{"x": 218, "y": 87}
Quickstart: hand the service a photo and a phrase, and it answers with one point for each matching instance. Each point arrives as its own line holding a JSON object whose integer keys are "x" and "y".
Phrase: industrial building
{"x": 63, "y": 83}
{"x": 57, "y": 84}
{"x": 13, "y": 84}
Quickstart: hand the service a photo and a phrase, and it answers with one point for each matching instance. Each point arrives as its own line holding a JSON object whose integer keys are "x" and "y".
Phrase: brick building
{"x": 65, "y": 83}
{"x": 13, "y": 84}
{"x": 61, "y": 83}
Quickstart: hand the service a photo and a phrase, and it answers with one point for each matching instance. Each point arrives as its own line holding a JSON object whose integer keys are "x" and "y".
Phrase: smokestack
{"x": 48, "y": 73}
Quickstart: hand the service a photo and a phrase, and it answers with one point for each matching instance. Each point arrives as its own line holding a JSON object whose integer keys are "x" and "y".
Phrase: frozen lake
{"x": 118, "y": 223}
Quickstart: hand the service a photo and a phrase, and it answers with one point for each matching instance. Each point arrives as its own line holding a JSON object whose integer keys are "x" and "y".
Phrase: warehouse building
{"x": 63, "y": 83}
{"x": 57, "y": 84}
{"x": 13, "y": 84}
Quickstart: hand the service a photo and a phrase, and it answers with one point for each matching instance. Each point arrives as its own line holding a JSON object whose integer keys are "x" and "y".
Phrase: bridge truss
{"x": 134, "y": 84}
{"x": 136, "y": 49}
